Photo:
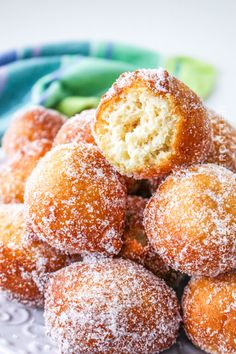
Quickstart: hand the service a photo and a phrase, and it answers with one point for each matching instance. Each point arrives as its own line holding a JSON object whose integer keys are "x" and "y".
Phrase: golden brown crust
{"x": 110, "y": 306}
{"x": 190, "y": 220}
{"x": 29, "y": 125}
{"x": 209, "y": 311}
{"x": 75, "y": 200}
{"x": 193, "y": 136}
{"x": 223, "y": 150}
{"x": 77, "y": 129}
{"x": 136, "y": 246}
{"x": 15, "y": 171}
{"x": 24, "y": 263}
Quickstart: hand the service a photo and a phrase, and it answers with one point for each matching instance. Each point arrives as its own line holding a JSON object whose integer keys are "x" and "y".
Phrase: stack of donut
{"x": 103, "y": 215}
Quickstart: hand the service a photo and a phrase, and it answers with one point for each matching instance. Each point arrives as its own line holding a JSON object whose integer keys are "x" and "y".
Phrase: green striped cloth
{"x": 71, "y": 77}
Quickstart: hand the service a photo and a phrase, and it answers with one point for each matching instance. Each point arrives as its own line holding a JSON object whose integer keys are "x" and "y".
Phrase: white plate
{"x": 22, "y": 329}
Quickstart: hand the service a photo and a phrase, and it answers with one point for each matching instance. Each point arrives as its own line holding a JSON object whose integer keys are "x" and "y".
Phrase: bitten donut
{"x": 77, "y": 129}
{"x": 110, "y": 306}
{"x": 29, "y": 125}
{"x": 149, "y": 122}
{"x": 136, "y": 246}
{"x": 191, "y": 220}
{"x": 75, "y": 201}
{"x": 223, "y": 151}
{"x": 15, "y": 170}
{"x": 209, "y": 309}
{"x": 24, "y": 263}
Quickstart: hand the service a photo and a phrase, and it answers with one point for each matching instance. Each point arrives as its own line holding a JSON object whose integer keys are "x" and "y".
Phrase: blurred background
{"x": 203, "y": 29}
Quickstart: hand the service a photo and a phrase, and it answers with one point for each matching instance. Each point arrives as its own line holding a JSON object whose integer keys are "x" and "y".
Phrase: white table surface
{"x": 204, "y": 29}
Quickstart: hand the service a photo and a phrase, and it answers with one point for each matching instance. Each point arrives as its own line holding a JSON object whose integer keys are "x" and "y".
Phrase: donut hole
{"x": 190, "y": 220}
{"x": 104, "y": 305}
{"x": 209, "y": 313}
{"x": 139, "y": 129}
{"x": 25, "y": 262}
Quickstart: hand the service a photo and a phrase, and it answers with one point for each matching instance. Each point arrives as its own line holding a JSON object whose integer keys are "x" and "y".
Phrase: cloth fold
{"x": 72, "y": 76}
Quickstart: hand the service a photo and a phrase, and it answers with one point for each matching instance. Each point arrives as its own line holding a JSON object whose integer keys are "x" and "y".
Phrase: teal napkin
{"x": 71, "y": 77}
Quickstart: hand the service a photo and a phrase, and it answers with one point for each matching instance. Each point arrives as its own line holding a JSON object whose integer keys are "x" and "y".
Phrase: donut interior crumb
{"x": 139, "y": 129}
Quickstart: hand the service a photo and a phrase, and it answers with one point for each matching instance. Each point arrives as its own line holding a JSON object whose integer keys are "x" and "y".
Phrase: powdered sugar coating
{"x": 110, "y": 306}
{"x": 77, "y": 129}
{"x": 16, "y": 169}
{"x": 209, "y": 309}
{"x": 75, "y": 201}
{"x": 24, "y": 263}
{"x": 224, "y": 142}
{"x": 190, "y": 220}
{"x": 156, "y": 79}
{"x": 31, "y": 124}
{"x": 136, "y": 246}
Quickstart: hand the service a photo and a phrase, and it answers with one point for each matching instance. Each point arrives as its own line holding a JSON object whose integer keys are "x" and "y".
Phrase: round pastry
{"x": 110, "y": 306}
{"x": 75, "y": 201}
{"x": 15, "y": 170}
{"x": 77, "y": 129}
{"x": 209, "y": 309}
{"x": 191, "y": 220}
{"x": 149, "y": 122}
{"x": 224, "y": 143}
{"x": 29, "y": 125}
{"x": 136, "y": 246}
{"x": 24, "y": 263}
